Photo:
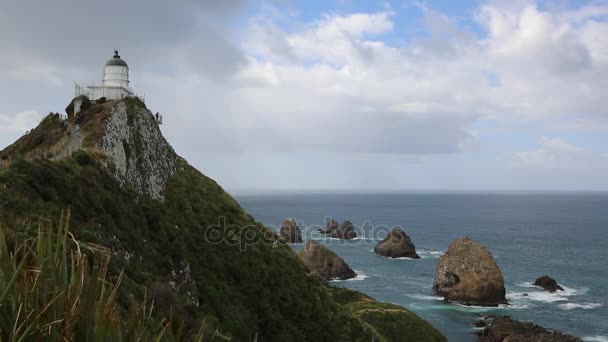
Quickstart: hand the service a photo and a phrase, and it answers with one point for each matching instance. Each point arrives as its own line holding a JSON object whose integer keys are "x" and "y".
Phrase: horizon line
{"x": 380, "y": 191}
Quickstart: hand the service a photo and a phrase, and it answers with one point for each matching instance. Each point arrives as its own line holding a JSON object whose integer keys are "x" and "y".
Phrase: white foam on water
{"x": 595, "y": 338}
{"x": 584, "y": 306}
{"x": 359, "y": 276}
{"x": 429, "y": 254}
{"x": 403, "y": 258}
{"x": 537, "y": 294}
{"x": 424, "y": 297}
{"x": 475, "y": 308}
{"x": 362, "y": 238}
{"x": 516, "y": 306}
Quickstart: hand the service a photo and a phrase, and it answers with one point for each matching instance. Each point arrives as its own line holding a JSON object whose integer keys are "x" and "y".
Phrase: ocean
{"x": 563, "y": 235}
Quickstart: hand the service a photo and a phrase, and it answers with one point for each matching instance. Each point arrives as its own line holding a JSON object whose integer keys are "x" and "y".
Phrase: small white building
{"x": 115, "y": 85}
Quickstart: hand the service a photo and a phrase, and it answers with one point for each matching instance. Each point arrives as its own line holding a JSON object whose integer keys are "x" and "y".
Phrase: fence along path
{"x": 62, "y": 149}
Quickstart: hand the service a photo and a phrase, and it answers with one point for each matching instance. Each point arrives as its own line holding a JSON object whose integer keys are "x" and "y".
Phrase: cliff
{"x": 178, "y": 236}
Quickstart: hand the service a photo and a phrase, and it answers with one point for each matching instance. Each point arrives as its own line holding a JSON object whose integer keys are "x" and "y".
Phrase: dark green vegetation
{"x": 57, "y": 289}
{"x": 198, "y": 255}
{"x": 390, "y": 322}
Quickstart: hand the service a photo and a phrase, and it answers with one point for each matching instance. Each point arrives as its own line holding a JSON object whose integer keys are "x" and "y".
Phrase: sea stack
{"x": 290, "y": 232}
{"x": 330, "y": 226}
{"x": 548, "y": 284}
{"x": 468, "y": 274}
{"x": 323, "y": 262}
{"x": 346, "y": 231}
{"x": 504, "y": 329}
{"x": 397, "y": 244}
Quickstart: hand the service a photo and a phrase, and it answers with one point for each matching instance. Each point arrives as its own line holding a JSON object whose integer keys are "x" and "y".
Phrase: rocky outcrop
{"x": 505, "y": 329}
{"x": 468, "y": 274}
{"x": 139, "y": 154}
{"x": 290, "y": 232}
{"x": 397, "y": 244}
{"x": 548, "y": 283}
{"x": 330, "y": 226}
{"x": 345, "y": 230}
{"x": 321, "y": 261}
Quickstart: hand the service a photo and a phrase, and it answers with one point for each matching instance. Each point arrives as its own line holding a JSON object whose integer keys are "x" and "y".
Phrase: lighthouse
{"x": 115, "y": 84}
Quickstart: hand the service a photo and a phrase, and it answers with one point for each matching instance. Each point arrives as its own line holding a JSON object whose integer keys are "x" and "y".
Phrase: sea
{"x": 563, "y": 235}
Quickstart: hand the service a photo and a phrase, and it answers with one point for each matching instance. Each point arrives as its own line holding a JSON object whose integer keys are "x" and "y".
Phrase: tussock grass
{"x": 54, "y": 288}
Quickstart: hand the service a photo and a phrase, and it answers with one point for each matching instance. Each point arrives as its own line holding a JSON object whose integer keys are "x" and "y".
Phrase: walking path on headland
{"x": 74, "y": 143}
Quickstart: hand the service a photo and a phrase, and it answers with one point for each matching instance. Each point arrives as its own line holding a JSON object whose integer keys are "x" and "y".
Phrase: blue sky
{"x": 357, "y": 95}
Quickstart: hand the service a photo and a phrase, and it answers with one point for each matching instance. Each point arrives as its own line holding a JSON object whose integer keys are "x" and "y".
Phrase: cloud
{"x": 20, "y": 122}
{"x": 555, "y": 153}
{"x": 340, "y": 82}
{"x": 70, "y": 34}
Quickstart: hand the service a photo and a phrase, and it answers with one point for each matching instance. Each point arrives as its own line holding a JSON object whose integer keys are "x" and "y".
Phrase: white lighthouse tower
{"x": 115, "y": 84}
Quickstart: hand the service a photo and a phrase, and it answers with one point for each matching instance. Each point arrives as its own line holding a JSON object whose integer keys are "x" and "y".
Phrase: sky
{"x": 337, "y": 94}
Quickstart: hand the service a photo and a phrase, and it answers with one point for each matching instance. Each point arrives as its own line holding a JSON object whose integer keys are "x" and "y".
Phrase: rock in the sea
{"x": 290, "y": 232}
{"x": 548, "y": 283}
{"x": 346, "y": 230}
{"x": 330, "y": 226}
{"x": 505, "y": 329}
{"x": 468, "y": 274}
{"x": 323, "y": 262}
{"x": 397, "y": 244}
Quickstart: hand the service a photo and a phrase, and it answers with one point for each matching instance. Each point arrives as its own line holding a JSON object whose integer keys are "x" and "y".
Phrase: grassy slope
{"x": 262, "y": 289}
{"x": 39, "y": 140}
{"x": 391, "y": 322}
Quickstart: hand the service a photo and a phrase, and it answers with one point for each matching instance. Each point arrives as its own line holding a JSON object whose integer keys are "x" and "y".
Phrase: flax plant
{"x": 54, "y": 288}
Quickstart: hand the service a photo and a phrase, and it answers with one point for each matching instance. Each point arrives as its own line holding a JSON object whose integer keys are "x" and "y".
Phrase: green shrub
{"x": 82, "y": 157}
{"x": 55, "y": 288}
{"x": 86, "y": 104}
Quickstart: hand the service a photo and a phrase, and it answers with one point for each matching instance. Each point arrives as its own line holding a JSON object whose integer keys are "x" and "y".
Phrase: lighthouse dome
{"x": 115, "y": 83}
{"x": 116, "y": 60}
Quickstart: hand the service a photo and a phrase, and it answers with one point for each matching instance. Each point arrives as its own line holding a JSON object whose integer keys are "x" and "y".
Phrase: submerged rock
{"x": 548, "y": 283}
{"x": 346, "y": 231}
{"x": 330, "y": 226}
{"x": 468, "y": 274}
{"x": 323, "y": 262}
{"x": 290, "y": 232}
{"x": 505, "y": 329}
{"x": 397, "y": 244}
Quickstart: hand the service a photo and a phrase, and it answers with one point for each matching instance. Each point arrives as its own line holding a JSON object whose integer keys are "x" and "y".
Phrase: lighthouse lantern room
{"x": 115, "y": 84}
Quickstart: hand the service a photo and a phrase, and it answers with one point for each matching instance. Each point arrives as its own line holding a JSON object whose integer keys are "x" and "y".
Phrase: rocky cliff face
{"x": 290, "y": 232}
{"x": 189, "y": 244}
{"x": 505, "y": 329}
{"x": 468, "y": 274}
{"x": 397, "y": 244}
{"x": 324, "y": 263}
{"x": 139, "y": 154}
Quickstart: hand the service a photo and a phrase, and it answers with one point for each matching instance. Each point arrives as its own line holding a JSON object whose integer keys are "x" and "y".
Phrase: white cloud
{"x": 345, "y": 83}
{"x": 555, "y": 153}
{"x": 20, "y": 122}
{"x": 337, "y": 74}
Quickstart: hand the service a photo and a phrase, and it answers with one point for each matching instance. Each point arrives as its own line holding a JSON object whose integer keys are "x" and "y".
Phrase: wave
{"x": 539, "y": 295}
{"x": 424, "y": 297}
{"x": 584, "y": 306}
{"x": 475, "y": 308}
{"x": 403, "y": 258}
{"x": 481, "y": 309}
{"x": 359, "y": 276}
{"x": 595, "y": 338}
{"x": 362, "y": 238}
{"x": 430, "y": 254}
{"x": 516, "y": 306}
